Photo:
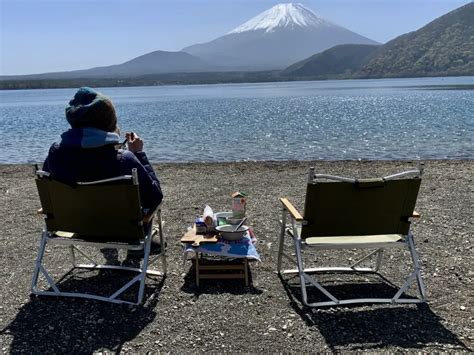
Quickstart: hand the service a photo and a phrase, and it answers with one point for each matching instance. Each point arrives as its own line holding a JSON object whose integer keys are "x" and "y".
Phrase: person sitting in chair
{"x": 88, "y": 151}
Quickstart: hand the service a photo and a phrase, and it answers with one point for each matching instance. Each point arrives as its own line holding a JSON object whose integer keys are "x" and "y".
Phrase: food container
{"x": 234, "y": 221}
{"x": 221, "y": 218}
{"x": 227, "y": 232}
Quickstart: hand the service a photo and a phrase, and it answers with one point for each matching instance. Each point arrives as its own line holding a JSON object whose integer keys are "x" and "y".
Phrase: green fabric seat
{"x": 337, "y": 208}
{"x": 108, "y": 211}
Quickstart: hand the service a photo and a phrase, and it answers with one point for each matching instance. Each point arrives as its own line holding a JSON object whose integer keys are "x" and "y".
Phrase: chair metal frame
{"x": 49, "y": 237}
{"x": 293, "y": 229}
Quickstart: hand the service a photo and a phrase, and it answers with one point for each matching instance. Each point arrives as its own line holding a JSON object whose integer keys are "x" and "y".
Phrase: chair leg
{"x": 39, "y": 260}
{"x": 378, "y": 262}
{"x": 416, "y": 264}
{"x": 145, "y": 267}
{"x": 72, "y": 255}
{"x": 299, "y": 261}
{"x": 162, "y": 243}
{"x": 307, "y": 278}
{"x": 415, "y": 275}
{"x": 140, "y": 278}
{"x": 281, "y": 241}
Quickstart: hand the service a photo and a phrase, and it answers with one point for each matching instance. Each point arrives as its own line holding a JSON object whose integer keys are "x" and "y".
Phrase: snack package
{"x": 200, "y": 226}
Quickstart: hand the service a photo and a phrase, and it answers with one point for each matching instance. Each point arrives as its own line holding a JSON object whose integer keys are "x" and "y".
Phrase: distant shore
{"x": 198, "y": 79}
{"x": 178, "y": 317}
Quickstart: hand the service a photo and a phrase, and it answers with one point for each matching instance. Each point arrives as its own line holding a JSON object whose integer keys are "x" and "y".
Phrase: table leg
{"x": 246, "y": 271}
{"x": 197, "y": 269}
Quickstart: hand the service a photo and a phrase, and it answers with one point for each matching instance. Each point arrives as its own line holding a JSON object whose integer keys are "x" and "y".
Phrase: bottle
{"x": 239, "y": 203}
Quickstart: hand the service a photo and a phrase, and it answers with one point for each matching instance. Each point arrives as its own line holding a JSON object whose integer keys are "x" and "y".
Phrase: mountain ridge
{"x": 444, "y": 46}
{"x": 155, "y": 62}
{"x": 274, "y": 39}
{"x": 338, "y": 60}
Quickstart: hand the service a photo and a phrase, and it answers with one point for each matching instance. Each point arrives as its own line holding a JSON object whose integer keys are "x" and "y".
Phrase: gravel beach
{"x": 224, "y": 315}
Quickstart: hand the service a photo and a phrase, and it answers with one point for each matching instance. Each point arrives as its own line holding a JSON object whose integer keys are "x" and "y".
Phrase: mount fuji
{"x": 274, "y": 39}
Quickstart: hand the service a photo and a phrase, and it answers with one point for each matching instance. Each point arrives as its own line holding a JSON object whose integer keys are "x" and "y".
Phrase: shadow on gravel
{"x": 354, "y": 327}
{"x": 74, "y": 325}
{"x": 217, "y": 286}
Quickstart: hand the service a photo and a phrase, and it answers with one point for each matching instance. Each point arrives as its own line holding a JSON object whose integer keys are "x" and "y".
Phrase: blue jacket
{"x": 89, "y": 154}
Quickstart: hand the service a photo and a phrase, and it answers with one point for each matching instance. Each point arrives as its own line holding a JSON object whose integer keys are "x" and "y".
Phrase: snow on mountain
{"x": 283, "y": 16}
{"x": 275, "y": 39}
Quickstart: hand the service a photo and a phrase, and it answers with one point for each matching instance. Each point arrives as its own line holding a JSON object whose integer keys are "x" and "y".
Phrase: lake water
{"x": 331, "y": 120}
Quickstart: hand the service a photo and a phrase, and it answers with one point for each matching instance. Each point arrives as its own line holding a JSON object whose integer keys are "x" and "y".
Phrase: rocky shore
{"x": 224, "y": 315}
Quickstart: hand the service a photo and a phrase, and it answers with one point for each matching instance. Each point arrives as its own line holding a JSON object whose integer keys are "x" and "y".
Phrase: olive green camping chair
{"x": 346, "y": 213}
{"x": 99, "y": 214}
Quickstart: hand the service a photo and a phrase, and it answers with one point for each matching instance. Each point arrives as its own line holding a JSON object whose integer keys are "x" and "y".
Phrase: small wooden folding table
{"x": 213, "y": 257}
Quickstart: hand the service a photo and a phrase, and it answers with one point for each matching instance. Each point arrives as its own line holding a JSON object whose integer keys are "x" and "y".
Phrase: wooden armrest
{"x": 149, "y": 216}
{"x": 40, "y": 211}
{"x": 416, "y": 215}
{"x": 291, "y": 209}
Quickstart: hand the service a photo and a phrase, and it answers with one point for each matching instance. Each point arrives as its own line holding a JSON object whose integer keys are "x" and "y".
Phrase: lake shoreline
{"x": 230, "y": 78}
{"x": 381, "y": 161}
{"x": 177, "y": 316}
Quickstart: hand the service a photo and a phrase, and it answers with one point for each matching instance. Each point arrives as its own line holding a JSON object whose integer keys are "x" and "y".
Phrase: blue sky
{"x": 56, "y": 35}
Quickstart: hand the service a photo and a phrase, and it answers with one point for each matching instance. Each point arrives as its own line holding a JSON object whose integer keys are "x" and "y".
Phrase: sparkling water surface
{"x": 331, "y": 120}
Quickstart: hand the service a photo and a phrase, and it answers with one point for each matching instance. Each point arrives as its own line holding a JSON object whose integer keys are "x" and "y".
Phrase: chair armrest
{"x": 40, "y": 211}
{"x": 149, "y": 216}
{"x": 415, "y": 215}
{"x": 291, "y": 210}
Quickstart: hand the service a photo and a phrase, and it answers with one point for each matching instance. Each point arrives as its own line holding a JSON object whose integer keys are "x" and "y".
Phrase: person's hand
{"x": 134, "y": 142}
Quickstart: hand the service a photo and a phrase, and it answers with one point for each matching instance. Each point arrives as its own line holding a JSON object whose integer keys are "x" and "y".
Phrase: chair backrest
{"x": 360, "y": 207}
{"x": 107, "y": 210}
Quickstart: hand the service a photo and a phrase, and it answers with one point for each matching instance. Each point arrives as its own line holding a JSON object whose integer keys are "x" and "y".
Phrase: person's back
{"x": 88, "y": 151}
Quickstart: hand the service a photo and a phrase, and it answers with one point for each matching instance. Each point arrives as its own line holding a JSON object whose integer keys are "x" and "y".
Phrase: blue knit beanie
{"x": 89, "y": 108}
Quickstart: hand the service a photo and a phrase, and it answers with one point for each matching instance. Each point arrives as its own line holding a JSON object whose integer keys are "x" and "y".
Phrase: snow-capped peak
{"x": 281, "y": 16}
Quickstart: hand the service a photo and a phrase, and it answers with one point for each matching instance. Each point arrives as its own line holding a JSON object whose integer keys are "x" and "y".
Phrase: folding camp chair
{"x": 99, "y": 214}
{"x": 346, "y": 213}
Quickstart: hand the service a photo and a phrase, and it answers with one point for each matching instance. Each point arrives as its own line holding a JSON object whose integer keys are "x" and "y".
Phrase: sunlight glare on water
{"x": 331, "y": 120}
